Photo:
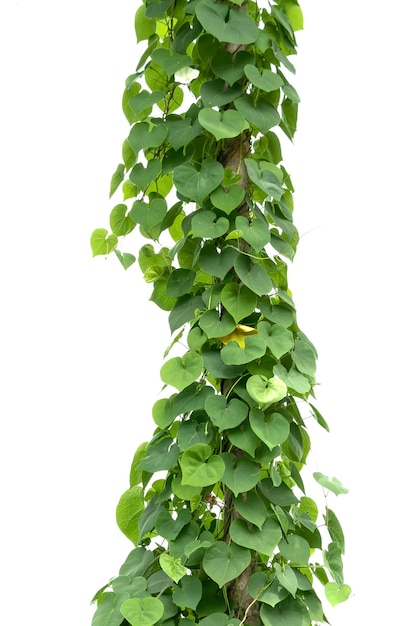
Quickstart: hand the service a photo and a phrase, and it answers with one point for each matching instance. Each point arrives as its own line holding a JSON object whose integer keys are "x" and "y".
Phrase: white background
{"x": 81, "y": 346}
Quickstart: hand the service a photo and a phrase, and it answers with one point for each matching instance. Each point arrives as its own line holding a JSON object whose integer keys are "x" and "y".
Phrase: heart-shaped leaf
{"x": 170, "y": 528}
{"x": 108, "y": 611}
{"x": 263, "y": 540}
{"x": 181, "y": 372}
{"x": 288, "y": 612}
{"x": 217, "y": 93}
{"x": 128, "y": 511}
{"x": 252, "y": 508}
{"x": 142, "y": 612}
{"x": 148, "y": 215}
{"x": 273, "y": 429}
{"x": 260, "y": 113}
{"x": 200, "y": 467}
{"x": 145, "y": 100}
{"x": 225, "y": 414}
{"x": 336, "y": 594}
{"x": 244, "y": 438}
{"x": 197, "y": 185}
{"x": 224, "y": 563}
{"x": 266, "y": 591}
{"x": 217, "y": 263}
{"x": 103, "y": 243}
{"x": 207, "y": 225}
{"x": 253, "y": 348}
{"x": 143, "y": 136}
{"x": 295, "y": 549}
{"x": 267, "y": 81}
{"x": 181, "y": 131}
{"x": 240, "y": 475}
{"x": 189, "y": 593}
{"x": 287, "y": 578}
{"x": 226, "y": 24}
{"x": 304, "y": 357}
{"x": 121, "y": 223}
{"x": 227, "y": 199}
{"x": 214, "y": 326}
{"x": 222, "y": 124}
{"x": 279, "y": 339}
{"x": 180, "y": 282}
{"x": 231, "y": 68}
{"x": 266, "y": 391}
{"x": 252, "y": 275}
{"x": 171, "y": 62}
{"x": 172, "y": 566}
{"x": 238, "y": 300}
{"x": 269, "y": 182}
{"x": 256, "y": 233}
{"x": 143, "y": 176}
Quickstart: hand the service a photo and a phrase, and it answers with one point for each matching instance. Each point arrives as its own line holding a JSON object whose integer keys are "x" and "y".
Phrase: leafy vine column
{"x": 224, "y": 533}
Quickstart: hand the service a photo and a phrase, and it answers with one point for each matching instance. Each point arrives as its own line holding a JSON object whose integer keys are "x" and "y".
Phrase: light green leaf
{"x": 172, "y": 567}
{"x": 224, "y": 563}
{"x": 238, "y": 300}
{"x": 333, "y": 484}
{"x": 142, "y": 176}
{"x": 269, "y": 182}
{"x": 128, "y": 511}
{"x": 142, "y": 612}
{"x": 287, "y": 578}
{"x": 117, "y": 178}
{"x": 121, "y": 223}
{"x": 234, "y": 354}
{"x": 335, "y": 529}
{"x": 207, "y": 225}
{"x": 149, "y": 216}
{"x": 143, "y": 136}
{"x": 101, "y": 242}
{"x": 225, "y": 414}
{"x": 336, "y": 594}
{"x": 229, "y": 25}
{"x": 215, "y": 326}
{"x": 278, "y": 338}
{"x": 142, "y": 102}
{"x": 200, "y": 467}
{"x": 171, "y": 62}
{"x": 304, "y": 358}
{"x": 266, "y": 391}
{"x": 181, "y": 372}
{"x": 333, "y": 561}
{"x": 222, "y": 124}
{"x": 125, "y": 258}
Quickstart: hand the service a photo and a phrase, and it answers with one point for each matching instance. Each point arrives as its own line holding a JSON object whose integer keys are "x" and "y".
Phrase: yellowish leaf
{"x": 239, "y": 334}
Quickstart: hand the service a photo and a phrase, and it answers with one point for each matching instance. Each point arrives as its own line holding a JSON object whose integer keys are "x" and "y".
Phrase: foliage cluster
{"x": 223, "y": 530}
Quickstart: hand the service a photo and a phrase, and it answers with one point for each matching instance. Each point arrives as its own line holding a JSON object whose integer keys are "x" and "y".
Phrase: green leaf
{"x": 143, "y": 176}
{"x": 252, "y": 275}
{"x": 333, "y": 561}
{"x": 244, "y": 438}
{"x": 189, "y": 594}
{"x": 181, "y": 131}
{"x": 125, "y": 258}
{"x": 144, "y": 26}
{"x": 273, "y": 429}
{"x": 278, "y": 338}
{"x": 215, "y": 326}
{"x": 333, "y": 484}
{"x": 184, "y": 310}
{"x": 267, "y": 81}
{"x": 143, "y": 136}
{"x": 108, "y": 611}
{"x": 128, "y": 511}
{"x": 142, "y": 102}
{"x": 207, "y": 225}
{"x": 238, "y": 300}
{"x": 181, "y": 372}
{"x": 289, "y": 612}
{"x": 259, "y": 112}
{"x": 160, "y": 455}
{"x": 197, "y": 185}
{"x": 218, "y": 93}
{"x": 142, "y": 612}
{"x": 180, "y": 282}
{"x": 256, "y": 233}
{"x": 101, "y": 242}
{"x": 117, "y": 178}
{"x": 227, "y": 199}
{"x": 266, "y": 391}
{"x": 295, "y": 549}
{"x": 170, "y": 528}
{"x": 225, "y": 414}
{"x": 214, "y": 365}
{"x": 231, "y": 68}
{"x": 224, "y": 563}
{"x": 172, "y": 567}
{"x": 200, "y": 467}
{"x": 222, "y": 124}
{"x": 150, "y": 215}
{"x": 272, "y": 594}
{"x": 229, "y": 25}
{"x": 120, "y": 223}
{"x": 171, "y": 62}
{"x": 268, "y": 181}
{"x": 336, "y": 594}
{"x": 304, "y": 358}
{"x": 217, "y": 263}
{"x": 335, "y": 529}
{"x": 287, "y": 578}
{"x": 240, "y": 475}
{"x": 252, "y": 508}
{"x": 263, "y": 541}
{"x": 233, "y": 354}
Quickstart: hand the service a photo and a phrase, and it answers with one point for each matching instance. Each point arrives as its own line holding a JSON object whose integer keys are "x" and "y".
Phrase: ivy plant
{"x": 223, "y": 531}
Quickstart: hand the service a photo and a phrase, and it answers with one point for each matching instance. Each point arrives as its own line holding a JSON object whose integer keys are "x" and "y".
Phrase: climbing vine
{"x": 223, "y": 530}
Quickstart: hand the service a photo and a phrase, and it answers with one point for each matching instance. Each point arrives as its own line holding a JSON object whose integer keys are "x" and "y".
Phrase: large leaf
{"x": 278, "y": 338}
{"x": 229, "y": 25}
{"x": 271, "y": 428}
{"x": 234, "y": 353}
{"x": 231, "y": 68}
{"x": 215, "y": 326}
{"x": 217, "y": 93}
{"x": 267, "y": 81}
{"x": 197, "y": 185}
{"x": 289, "y": 612}
{"x": 252, "y": 508}
{"x": 207, "y": 225}
{"x": 295, "y": 549}
{"x": 143, "y": 136}
{"x": 171, "y": 62}
{"x": 215, "y": 262}
{"x": 240, "y": 475}
{"x": 143, "y": 176}
{"x": 222, "y": 124}
{"x": 200, "y": 467}
{"x": 182, "y": 371}
{"x": 172, "y": 566}
{"x": 252, "y": 275}
{"x": 227, "y": 199}
{"x": 128, "y": 511}
{"x": 189, "y": 593}
{"x": 259, "y": 112}
{"x": 263, "y": 540}
{"x": 142, "y": 612}
{"x": 266, "y": 391}
{"x": 238, "y": 300}
{"x": 224, "y": 563}
{"x": 225, "y": 414}
{"x": 256, "y": 233}
{"x": 108, "y": 611}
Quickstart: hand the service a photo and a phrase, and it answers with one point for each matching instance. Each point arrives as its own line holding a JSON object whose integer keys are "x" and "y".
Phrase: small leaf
{"x": 267, "y": 81}
{"x": 101, "y": 242}
{"x": 117, "y": 178}
{"x": 238, "y": 300}
{"x": 222, "y": 124}
{"x": 333, "y": 484}
{"x": 142, "y": 612}
{"x": 128, "y": 511}
{"x": 172, "y": 567}
{"x": 224, "y": 563}
{"x": 336, "y": 594}
{"x": 207, "y": 225}
{"x": 197, "y": 185}
{"x": 200, "y": 467}
{"x": 229, "y": 25}
{"x": 227, "y": 199}
{"x": 225, "y": 414}
{"x": 181, "y": 372}
{"x": 266, "y": 391}
{"x": 189, "y": 594}
{"x": 263, "y": 541}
